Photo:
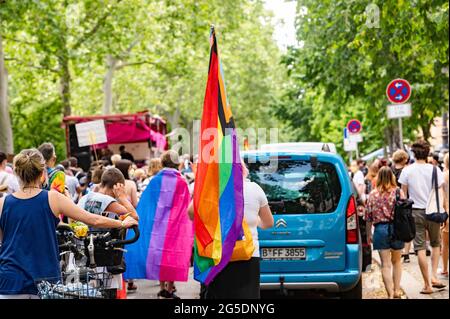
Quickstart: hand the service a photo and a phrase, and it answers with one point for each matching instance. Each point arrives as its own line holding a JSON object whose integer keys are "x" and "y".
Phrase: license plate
{"x": 277, "y": 253}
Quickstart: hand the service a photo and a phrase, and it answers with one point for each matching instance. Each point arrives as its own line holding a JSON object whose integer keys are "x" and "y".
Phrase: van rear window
{"x": 296, "y": 187}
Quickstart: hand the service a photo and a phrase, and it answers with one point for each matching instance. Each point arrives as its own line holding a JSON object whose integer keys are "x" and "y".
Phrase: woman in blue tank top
{"x": 28, "y": 220}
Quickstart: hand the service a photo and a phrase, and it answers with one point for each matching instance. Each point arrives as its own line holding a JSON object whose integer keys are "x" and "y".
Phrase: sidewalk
{"x": 412, "y": 282}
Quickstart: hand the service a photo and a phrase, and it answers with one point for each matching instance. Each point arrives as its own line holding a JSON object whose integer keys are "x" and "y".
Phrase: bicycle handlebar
{"x": 128, "y": 241}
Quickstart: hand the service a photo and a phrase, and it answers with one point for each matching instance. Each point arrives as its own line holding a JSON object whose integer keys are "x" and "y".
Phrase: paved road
{"x": 148, "y": 289}
{"x": 373, "y": 287}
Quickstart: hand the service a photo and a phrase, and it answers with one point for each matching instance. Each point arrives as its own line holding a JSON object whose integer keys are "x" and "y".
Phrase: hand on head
{"x": 119, "y": 190}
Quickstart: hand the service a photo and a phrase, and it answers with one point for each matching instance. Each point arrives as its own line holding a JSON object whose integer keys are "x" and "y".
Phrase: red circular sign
{"x": 398, "y": 91}
{"x": 354, "y": 126}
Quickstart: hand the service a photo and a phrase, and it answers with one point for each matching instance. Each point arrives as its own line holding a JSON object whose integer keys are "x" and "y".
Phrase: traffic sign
{"x": 395, "y": 111}
{"x": 354, "y": 126}
{"x": 355, "y": 138}
{"x": 350, "y": 146}
{"x": 398, "y": 91}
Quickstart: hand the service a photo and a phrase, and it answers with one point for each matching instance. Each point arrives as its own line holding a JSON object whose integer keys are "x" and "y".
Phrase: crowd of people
{"x": 115, "y": 193}
{"x": 383, "y": 182}
{"x": 111, "y": 194}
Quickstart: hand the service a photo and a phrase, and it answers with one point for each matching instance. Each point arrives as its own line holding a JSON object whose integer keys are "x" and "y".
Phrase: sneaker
{"x": 131, "y": 287}
{"x": 406, "y": 259}
{"x": 164, "y": 294}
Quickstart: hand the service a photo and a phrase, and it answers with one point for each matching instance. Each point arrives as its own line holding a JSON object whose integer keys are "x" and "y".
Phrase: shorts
{"x": 422, "y": 226}
{"x": 382, "y": 238}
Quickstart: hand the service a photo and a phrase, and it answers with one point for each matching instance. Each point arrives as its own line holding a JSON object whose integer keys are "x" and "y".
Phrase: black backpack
{"x": 404, "y": 225}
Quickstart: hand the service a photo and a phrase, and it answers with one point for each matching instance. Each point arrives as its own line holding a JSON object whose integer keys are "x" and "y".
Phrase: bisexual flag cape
{"x": 218, "y": 193}
{"x": 164, "y": 248}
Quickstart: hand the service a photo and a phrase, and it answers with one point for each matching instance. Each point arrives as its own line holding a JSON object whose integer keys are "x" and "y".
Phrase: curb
{"x": 410, "y": 285}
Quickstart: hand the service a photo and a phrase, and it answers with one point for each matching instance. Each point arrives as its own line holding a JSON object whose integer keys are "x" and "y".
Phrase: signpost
{"x": 350, "y": 143}
{"x": 352, "y": 136}
{"x": 398, "y": 92}
{"x": 397, "y": 111}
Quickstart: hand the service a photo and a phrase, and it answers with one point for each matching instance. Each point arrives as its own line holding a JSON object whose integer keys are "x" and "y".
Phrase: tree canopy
{"x": 57, "y": 53}
{"x": 350, "y": 52}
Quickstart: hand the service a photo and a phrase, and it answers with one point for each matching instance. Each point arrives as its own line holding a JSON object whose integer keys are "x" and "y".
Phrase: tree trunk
{"x": 173, "y": 119}
{"x": 64, "y": 82}
{"x": 6, "y": 134}
{"x": 426, "y": 131}
{"x": 111, "y": 63}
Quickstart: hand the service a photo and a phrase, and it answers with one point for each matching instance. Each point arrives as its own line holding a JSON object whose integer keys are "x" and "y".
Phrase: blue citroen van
{"x": 315, "y": 242}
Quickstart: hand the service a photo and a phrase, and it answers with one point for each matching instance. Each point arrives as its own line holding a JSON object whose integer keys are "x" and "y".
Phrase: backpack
{"x": 52, "y": 175}
{"x": 404, "y": 224}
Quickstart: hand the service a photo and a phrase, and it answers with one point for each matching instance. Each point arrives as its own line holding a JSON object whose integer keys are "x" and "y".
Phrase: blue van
{"x": 315, "y": 242}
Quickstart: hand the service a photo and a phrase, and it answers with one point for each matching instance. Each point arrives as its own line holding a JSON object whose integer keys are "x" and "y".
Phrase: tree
{"x": 6, "y": 138}
{"x": 11, "y": 9}
{"x": 347, "y": 61}
{"x": 156, "y": 55}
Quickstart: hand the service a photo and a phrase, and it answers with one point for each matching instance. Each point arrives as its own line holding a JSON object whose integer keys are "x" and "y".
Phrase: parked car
{"x": 315, "y": 243}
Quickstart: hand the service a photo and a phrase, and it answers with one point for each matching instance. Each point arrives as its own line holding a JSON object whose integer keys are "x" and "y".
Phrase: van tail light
{"x": 352, "y": 222}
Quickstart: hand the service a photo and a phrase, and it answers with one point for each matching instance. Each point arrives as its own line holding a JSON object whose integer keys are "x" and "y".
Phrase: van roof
{"x": 300, "y": 147}
{"x": 261, "y": 153}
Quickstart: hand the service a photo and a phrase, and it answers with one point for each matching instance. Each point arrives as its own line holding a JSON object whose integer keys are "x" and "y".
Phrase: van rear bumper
{"x": 331, "y": 282}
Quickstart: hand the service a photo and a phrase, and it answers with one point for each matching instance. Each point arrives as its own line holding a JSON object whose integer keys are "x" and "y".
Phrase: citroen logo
{"x": 281, "y": 223}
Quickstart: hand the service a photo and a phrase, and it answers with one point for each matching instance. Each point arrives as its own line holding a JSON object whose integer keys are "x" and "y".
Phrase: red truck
{"x": 143, "y": 134}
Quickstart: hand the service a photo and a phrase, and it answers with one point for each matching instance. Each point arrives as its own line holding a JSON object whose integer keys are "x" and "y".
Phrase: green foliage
{"x": 163, "y": 52}
{"x": 343, "y": 68}
{"x": 37, "y": 125}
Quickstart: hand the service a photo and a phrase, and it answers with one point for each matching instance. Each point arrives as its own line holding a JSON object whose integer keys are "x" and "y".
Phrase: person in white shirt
{"x": 240, "y": 279}
{"x": 6, "y": 178}
{"x": 416, "y": 180}
{"x": 358, "y": 180}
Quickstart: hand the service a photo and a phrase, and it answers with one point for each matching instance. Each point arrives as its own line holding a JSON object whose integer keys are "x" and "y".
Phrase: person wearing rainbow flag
{"x": 164, "y": 249}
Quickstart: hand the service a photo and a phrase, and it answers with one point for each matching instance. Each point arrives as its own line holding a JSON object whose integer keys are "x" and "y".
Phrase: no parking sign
{"x": 354, "y": 126}
{"x": 398, "y": 91}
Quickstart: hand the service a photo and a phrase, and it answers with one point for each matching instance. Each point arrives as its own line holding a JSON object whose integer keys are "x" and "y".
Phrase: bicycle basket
{"x": 83, "y": 285}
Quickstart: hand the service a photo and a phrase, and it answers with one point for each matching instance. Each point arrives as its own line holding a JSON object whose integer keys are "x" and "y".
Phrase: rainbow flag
{"x": 164, "y": 249}
{"x": 218, "y": 192}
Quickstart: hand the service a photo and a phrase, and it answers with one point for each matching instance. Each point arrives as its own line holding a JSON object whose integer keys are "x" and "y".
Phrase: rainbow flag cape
{"x": 164, "y": 249}
{"x": 218, "y": 192}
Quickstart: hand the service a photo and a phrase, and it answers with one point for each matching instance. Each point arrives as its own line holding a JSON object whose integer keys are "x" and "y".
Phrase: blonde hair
{"x": 139, "y": 173}
{"x": 385, "y": 180}
{"x": 154, "y": 166}
{"x": 115, "y": 158}
{"x": 29, "y": 165}
{"x": 400, "y": 156}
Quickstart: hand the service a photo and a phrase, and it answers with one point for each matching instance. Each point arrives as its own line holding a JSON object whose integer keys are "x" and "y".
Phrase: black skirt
{"x": 238, "y": 280}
